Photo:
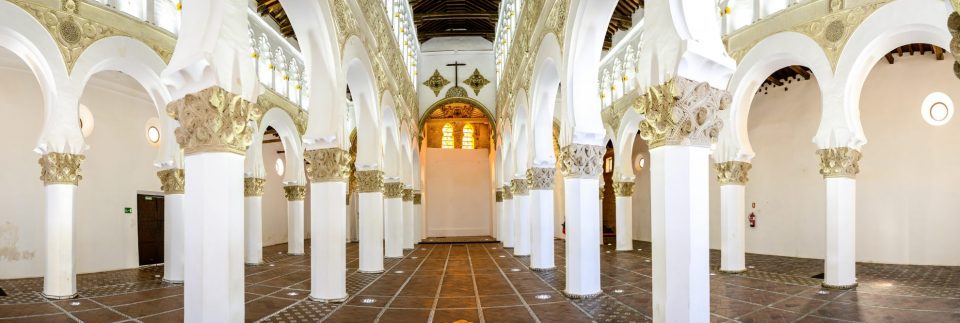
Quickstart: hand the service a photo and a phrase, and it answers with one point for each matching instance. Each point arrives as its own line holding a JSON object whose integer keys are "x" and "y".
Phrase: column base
{"x": 850, "y": 286}
{"x": 251, "y": 264}
{"x": 295, "y": 254}
{"x": 623, "y": 250}
{"x": 45, "y": 295}
{"x": 177, "y": 282}
{"x": 731, "y": 271}
{"x": 409, "y": 248}
{"x": 543, "y": 269}
{"x": 334, "y": 300}
{"x": 399, "y": 257}
{"x": 370, "y": 271}
{"x": 581, "y": 296}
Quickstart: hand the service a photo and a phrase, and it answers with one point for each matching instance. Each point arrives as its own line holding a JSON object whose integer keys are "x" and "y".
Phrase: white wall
{"x": 476, "y": 52}
{"x": 457, "y": 192}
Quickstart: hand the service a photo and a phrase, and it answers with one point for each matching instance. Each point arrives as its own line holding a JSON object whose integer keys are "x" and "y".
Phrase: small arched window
{"x": 468, "y": 140}
{"x": 447, "y": 140}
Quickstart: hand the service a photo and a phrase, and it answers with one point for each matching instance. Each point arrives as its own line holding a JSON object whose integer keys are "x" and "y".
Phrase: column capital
{"x": 370, "y": 181}
{"x": 499, "y": 195}
{"x": 328, "y": 165}
{"x": 253, "y": 186}
{"x": 507, "y": 192}
{"x": 732, "y": 172}
{"x": 407, "y": 195}
{"x": 295, "y": 192}
{"x": 601, "y": 190}
{"x": 839, "y": 162}
{"x": 581, "y": 161}
{"x": 520, "y": 187}
{"x": 623, "y": 189}
{"x": 681, "y": 112}
{"x": 541, "y": 178}
{"x": 417, "y": 198}
{"x": 60, "y": 168}
{"x": 393, "y": 190}
{"x": 213, "y": 120}
{"x": 172, "y": 181}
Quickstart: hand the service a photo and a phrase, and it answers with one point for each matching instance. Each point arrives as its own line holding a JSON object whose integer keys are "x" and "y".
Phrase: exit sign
{"x": 128, "y": 210}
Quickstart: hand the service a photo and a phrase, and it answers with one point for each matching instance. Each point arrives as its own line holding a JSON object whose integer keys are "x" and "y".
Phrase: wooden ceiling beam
{"x": 418, "y": 18}
{"x": 889, "y": 57}
{"x": 938, "y": 52}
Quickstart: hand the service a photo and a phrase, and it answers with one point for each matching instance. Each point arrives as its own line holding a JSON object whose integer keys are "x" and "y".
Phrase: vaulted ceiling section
{"x": 440, "y": 18}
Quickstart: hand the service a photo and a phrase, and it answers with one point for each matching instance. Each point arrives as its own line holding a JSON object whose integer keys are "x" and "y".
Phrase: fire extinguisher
{"x": 753, "y": 216}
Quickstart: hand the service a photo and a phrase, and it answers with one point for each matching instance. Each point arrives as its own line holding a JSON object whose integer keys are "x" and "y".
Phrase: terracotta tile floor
{"x": 481, "y": 282}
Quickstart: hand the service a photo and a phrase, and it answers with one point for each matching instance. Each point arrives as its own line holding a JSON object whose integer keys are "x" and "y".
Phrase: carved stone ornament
{"x": 839, "y": 162}
{"x": 507, "y": 192}
{"x": 953, "y": 25}
{"x": 499, "y": 194}
{"x": 541, "y": 178}
{"x": 370, "y": 181}
{"x": 253, "y": 186}
{"x": 172, "y": 181}
{"x": 681, "y": 112}
{"x": 60, "y": 168}
{"x": 456, "y": 92}
{"x": 520, "y": 187}
{"x": 581, "y": 161}
{"x": 393, "y": 190}
{"x": 417, "y": 197}
{"x": 328, "y": 165}
{"x": 408, "y": 195}
{"x": 436, "y": 82}
{"x": 601, "y": 190}
{"x": 624, "y": 189}
{"x": 732, "y": 172}
{"x": 213, "y": 120}
{"x": 295, "y": 192}
{"x": 476, "y": 81}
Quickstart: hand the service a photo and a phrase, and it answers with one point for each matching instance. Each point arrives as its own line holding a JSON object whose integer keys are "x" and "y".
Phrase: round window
{"x": 639, "y": 162}
{"x": 153, "y": 134}
{"x": 937, "y": 109}
{"x": 279, "y": 166}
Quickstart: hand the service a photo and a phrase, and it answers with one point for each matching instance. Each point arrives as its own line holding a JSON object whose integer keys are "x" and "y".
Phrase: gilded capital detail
{"x": 328, "y": 165}
{"x": 839, "y": 162}
{"x": 295, "y": 192}
{"x": 253, "y": 186}
{"x": 370, "y": 181}
{"x": 520, "y": 187}
{"x": 681, "y": 112}
{"x": 507, "y": 192}
{"x": 499, "y": 195}
{"x": 732, "y": 172}
{"x": 581, "y": 161}
{"x": 172, "y": 181}
{"x": 408, "y": 195}
{"x": 393, "y": 190}
{"x": 417, "y": 198}
{"x": 624, "y": 189}
{"x": 541, "y": 178}
{"x": 60, "y": 168}
{"x": 214, "y": 120}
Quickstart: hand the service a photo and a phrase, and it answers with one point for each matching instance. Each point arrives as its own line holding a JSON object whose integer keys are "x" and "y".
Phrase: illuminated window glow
{"x": 468, "y": 140}
{"x": 447, "y": 141}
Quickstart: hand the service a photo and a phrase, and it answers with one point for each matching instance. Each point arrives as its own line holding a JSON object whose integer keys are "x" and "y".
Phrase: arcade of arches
{"x": 479, "y": 161}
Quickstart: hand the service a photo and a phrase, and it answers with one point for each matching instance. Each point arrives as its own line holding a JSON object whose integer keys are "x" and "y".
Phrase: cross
{"x": 456, "y": 71}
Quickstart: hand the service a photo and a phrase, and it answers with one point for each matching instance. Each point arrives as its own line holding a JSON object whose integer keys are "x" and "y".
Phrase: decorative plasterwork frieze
{"x": 172, "y": 181}
{"x": 623, "y": 188}
{"x": 476, "y": 81}
{"x": 839, "y": 162}
{"x": 520, "y": 188}
{"x": 295, "y": 192}
{"x": 328, "y": 165}
{"x": 270, "y": 99}
{"x": 953, "y": 25}
{"x": 732, "y": 172}
{"x": 60, "y": 168}
{"x": 581, "y": 161}
{"x": 213, "y": 120}
{"x": 456, "y": 92}
{"x": 540, "y": 178}
{"x": 253, "y": 186}
{"x": 681, "y": 112}
{"x": 417, "y": 198}
{"x": 393, "y": 190}
{"x": 499, "y": 195}
{"x": 436, "y": 82}
{"x": 407, "y": 195}
{"x": 370, "y": 181}
{"x": 507, "y": 192}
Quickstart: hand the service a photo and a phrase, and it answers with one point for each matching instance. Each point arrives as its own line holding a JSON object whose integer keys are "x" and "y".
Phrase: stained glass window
{"x": 468, "y": 142}
{"x": 447, "y": 141}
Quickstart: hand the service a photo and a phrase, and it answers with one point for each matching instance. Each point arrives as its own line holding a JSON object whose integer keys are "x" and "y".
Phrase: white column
{"x": 295, "y": 195}
{"x": 60, "y": 174}
{"x": 172, "y": 181}
{"x": 408, "y": 223}
{"x": 521, "y": 217}
{"x": 393, "y": 220}
{"x": 580, "y": 166}
{"x": 624, "y": 199}
{"x": 370, "y": 230}
{"x": 418, "y": 216}
{"x": 732, "y": 176}
{"x": 839, "y": 167}
{"x": 253, "y": 220}
{"x": 497, "y": 214}
{"x": 328, "y": 172}
{"x": 541, "y": 218}
{"x": 680, "y": 205}
{"x": 506, "y": 231}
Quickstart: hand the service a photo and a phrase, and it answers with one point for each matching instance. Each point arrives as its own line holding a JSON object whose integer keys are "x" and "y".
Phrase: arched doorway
{"x": 457, "y": 143}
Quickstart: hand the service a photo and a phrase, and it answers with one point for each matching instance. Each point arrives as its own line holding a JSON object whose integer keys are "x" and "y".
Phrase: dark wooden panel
{"x": 150, "y": 229}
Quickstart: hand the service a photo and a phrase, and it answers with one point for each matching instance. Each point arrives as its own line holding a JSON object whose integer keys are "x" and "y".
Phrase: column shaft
{"x": 732, "y": 227}
{"x": 328, "y": 252}
{"x": 370, "y": 232}
{"x": 840, "y": 263}
{"x": 541, "y": 229}
{"x": 521, "y": 218}
{"x": 582, "y": 209}
{"x": 60, "y": 277}
{"x": 408, "y": 219}
{"x": 508, "y": 223}
{"x": 173, "y": 235}
{"x": 295, "y": 227}
{"x": 624, "y": 223}
{"x": 393, "y": 228}
{"x": 253, "y": 237}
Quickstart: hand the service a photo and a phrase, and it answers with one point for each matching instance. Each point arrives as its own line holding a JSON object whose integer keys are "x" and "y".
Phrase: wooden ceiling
{"x": 439, "y": 18}
{"x": 272, "y": 9}
{"x": 622, "y": 19}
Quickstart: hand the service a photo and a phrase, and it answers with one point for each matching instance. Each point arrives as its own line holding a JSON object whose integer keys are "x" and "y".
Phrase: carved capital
{"x": 253, "y": 186}
{"x": 370, "y": 181}
{"x": 681, "y": 112}
{"x": 408, "y": 195}
{"x": 839, "y": 162}
{"x": 328, "y": 165}
{"x": 520, "y": 187}
{"x": 732, "y": 172}
{"x": 214, "y": 120}
{"x": 417, "y": 198}
{"x": 172, "y": 181}
{"x": 393, "y": 190}
{"x": 622, "y": 189}
{"x": 60, "y": 168}
{"x": 602, "y": 189}
{"x": 295, "y": 192}
{"x": 499, "y": 195}
{"x": 507, "y": 192}
{"x": 581, "y": 161}
{"x": 541, "y": 178}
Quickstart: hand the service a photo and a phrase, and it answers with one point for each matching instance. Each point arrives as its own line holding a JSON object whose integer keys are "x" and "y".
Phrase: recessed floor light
{"x": 608, "y": 251}
{"x": 502, "y": 256}
{"x": 423, "y": 248}
{"x": 272, "y": 265}
{"x": 368, "y": 301}
{"x": 494, "y": 248}
{"x": 618, "y": 291}
{"x": 751, "y": 267}
{"x": 279, "y": 252}
{"x": 156, "y": 276}
{"x": 398, "y": 272}
{"x": 74, "y": 303}
{"x": 543, "y": 296}
{"x": 639, "y": 249}
{"x": 414, "y": 257}
{"x": 609, "y": 244}
{"x": 514, "y": 269}
{"x": 647, "y": 260}
{"x": 713, "y": 274}
{"x": 823, "y": 292}
{"x": 292, "y": 294}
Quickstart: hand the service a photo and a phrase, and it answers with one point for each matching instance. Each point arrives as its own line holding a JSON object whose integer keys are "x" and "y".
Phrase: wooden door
{"x": 150, "y": 228}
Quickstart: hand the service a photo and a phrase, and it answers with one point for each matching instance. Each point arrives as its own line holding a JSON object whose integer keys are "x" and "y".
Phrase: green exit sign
{"x": 128, "y": 210}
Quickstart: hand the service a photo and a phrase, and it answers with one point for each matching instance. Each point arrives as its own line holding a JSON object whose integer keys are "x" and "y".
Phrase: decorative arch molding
{"x": 279, "y": 120}
{"x": 126, "y": 55}
{"x": 464, "y": 100}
